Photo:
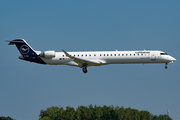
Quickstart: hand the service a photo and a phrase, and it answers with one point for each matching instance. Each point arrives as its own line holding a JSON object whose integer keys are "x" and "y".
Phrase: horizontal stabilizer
{"x": 14, "y": 42}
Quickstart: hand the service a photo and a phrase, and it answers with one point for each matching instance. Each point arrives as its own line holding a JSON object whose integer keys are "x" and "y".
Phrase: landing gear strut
{"x": 84, "y": 69}
{"x": 166, "y": 66}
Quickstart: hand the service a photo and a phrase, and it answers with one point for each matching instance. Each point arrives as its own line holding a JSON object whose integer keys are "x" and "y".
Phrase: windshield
{"x": 163, "y": 54}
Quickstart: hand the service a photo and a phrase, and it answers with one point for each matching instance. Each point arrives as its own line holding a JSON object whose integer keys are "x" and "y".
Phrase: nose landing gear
{"x": 166, "y": 66}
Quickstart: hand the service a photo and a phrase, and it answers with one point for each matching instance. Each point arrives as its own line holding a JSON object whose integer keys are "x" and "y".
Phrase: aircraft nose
{"x": 172, "y": 59}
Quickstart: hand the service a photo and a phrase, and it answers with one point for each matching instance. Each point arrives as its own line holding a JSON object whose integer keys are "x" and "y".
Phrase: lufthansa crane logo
{"x": 24, "y": 49}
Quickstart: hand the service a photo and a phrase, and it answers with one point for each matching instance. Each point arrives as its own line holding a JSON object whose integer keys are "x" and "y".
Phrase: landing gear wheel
{"x": 84, "y": 70}
{"x": 166, "y": 66}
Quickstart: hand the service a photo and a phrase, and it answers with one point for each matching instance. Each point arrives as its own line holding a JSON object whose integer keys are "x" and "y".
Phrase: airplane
{"x": 91, "y": 58}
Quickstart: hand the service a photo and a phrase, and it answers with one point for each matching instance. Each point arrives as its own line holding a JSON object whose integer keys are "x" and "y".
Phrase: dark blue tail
{"x": 23, "y": 47}
{"x": 26, "y": 51}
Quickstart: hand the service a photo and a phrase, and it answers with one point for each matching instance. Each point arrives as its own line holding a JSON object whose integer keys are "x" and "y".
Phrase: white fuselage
{"x": 111, "y": 57}
{"x": 91, "y": 58}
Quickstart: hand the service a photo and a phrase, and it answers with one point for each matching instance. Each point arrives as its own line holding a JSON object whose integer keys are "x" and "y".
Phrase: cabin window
{"x": 94, "y": 54}
{"x": 74, "y": 55}
{"x": 63, "y": 55}
{"x": 82, "y": 55}
{"x": 90, "y": 55}
{"x": 142, "y": 54}
{"x": 126, "y": 54}
{"x": 118, "y": 54}
{"x": 86, "y": 55}
{"x": 107, "y": 54}
{"x": 78, "y": 55}
{"x": 138, "y": 54}
{"x": 130, "y": 54}
{"x": 111, "y": 54}
{"x": 122, "y": 54}
{"x": 114, "y": 54}
{"x": 104, "y": 54}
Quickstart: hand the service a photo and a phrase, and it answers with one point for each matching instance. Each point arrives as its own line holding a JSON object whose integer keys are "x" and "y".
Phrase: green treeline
{"x": 6, "y": 118}
{"x": 98, "y": 113}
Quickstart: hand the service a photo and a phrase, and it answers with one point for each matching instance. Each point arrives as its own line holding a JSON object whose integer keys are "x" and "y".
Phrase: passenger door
{"x": 153, "y": 56}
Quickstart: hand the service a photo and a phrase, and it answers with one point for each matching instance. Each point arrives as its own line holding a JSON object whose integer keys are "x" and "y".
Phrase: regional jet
{"x": 91, "y": 58}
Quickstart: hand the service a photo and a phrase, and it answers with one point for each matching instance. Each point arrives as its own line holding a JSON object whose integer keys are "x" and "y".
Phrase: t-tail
{"x": 27, "y": 52}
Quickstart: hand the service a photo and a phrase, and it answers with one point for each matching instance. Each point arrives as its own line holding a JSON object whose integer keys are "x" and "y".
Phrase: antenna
{"x": 168, "y": 112}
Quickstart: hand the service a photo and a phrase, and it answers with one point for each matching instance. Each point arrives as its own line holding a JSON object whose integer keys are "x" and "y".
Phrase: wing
{"x": 83, "y": 62}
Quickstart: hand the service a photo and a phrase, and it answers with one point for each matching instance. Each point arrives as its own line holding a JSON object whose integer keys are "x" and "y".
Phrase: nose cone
{"x": 171, "y": 59}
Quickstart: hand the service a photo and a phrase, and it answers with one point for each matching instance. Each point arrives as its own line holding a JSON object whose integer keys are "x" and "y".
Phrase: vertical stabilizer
{"x": 24, "y": 48}
{"x": 27, "y": 52}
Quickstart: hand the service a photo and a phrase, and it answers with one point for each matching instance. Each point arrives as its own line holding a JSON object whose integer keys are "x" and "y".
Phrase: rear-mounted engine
{"x": 47, "y": 54}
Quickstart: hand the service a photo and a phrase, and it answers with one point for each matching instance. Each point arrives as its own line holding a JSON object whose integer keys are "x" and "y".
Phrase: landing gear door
{"x": 153, "y": 56}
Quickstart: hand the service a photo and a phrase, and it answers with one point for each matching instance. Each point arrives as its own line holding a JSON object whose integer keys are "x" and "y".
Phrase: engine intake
{"x": 48, "y": 54}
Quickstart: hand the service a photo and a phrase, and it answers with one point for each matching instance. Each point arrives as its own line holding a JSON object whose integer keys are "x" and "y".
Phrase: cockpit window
{"x": 163, "y": 54}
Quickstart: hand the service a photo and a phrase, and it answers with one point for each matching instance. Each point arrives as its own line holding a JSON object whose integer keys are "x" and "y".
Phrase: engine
{"x": 47, "y": 54}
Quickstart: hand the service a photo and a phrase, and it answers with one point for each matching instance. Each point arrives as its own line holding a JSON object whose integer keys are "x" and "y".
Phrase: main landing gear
{"x": 166, "y": 66}
{"x": 84, "y": 69}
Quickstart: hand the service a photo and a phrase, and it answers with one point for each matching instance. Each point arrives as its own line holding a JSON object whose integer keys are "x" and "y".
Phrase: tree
{"x": 154, "y": 117}
{"x": 69, "y": 113}
{"x": 97, "y": 113}
{"x": 45, "y": 118}
{"x": 85, "y": 113}
{"x": 163, "y": 117}
{"x": 145, "y": 115}
{"x": 53, "y": 113}
{"x": 6, "y": 118}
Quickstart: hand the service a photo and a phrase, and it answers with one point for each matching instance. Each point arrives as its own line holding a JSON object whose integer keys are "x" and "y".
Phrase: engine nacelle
{"x": 47, "y": 54}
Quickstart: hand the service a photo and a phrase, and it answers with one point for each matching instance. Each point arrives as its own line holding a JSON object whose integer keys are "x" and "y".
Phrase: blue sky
{"x": 26, "y": 88}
